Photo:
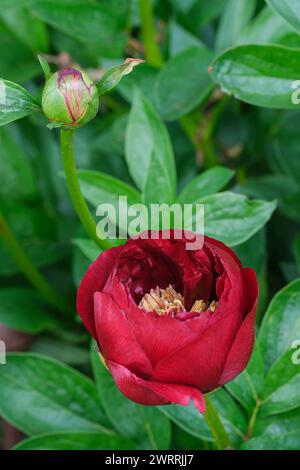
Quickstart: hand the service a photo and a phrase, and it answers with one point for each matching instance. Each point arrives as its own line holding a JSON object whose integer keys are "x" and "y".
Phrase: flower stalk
{"x": 28, "y": 269}
{"x": 79, "y": 203}
{"x": 216, "y": 427}
{"x": 153, "y": 54}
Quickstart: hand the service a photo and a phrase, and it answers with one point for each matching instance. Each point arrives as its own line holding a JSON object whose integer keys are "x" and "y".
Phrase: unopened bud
{"x": 70, "y": 98}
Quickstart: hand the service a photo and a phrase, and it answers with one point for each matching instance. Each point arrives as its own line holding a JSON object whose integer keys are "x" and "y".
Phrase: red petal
{"x": 242, "y": 347}
{"x": 147, "y": 392}
{"x": 115, "y": 337}
{"x": 159, "y": 336}
{"x": 93, "y": 281}
{"x": 201, "y": 361}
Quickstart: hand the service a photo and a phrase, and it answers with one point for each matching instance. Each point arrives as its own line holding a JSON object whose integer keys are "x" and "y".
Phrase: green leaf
{"x": 232, "y": 218}
{"x": 15, "y": 102}
{"x": 296, "y": 247}
{"x": 282, "y": 387}
{"x": 17, "y": 60}
{"x": 22, "y": 309}
{"x": 247, "y": 388}
{"x": 41, "y": 252}
{"x": 143, "y": 78}
{"x": 262, "y": 75}
{"x": 40, "y": 395}
{"x": 285, "y": 441}
{"x": 281, "y": 324}
{"x": 235, "y": 17}
{"x": 208, "y": 182}
{"x": 113, "y": 76}
{"x": 92, "y": 22}
{"x": 184, "y": 82}
{"x": 76, "y": 441}
{"x": 61, "y": 350}
{"x": 191, "y": 421}
{"x": 276, "y": 425}
{"x": 267, "y": 27}
{"x": 146, "y": 425}
{"x": 180, "y": 39}
{"x": 99, "y": 188}
{"x": 252, "y": 254}
{"x": 29, "y": 29}
{"x": 17, "y": 180}
{"x": 88, "y": 248}
{"x": 149, "y": 153}
{"x": 45, "y": 66}
{"x": 289, "y": 10}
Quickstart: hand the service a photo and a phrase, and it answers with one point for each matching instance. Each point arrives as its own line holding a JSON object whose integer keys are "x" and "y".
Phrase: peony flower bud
{"x": 70, "y": 98}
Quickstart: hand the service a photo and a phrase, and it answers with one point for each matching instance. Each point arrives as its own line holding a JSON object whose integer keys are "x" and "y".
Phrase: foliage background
{"x": 246, "y": 144}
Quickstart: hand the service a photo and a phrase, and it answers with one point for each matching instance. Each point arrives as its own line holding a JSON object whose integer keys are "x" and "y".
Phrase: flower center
{"x": 169, "y": 302}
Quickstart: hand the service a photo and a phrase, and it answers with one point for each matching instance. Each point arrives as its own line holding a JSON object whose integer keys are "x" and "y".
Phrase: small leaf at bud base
{"x": 70, "y": 99}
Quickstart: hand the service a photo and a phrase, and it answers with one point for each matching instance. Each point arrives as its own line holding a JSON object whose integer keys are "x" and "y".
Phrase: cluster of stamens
{"x": 169, "y": 302}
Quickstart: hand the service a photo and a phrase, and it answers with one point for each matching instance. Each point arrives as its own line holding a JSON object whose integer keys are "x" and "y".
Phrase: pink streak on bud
{"x": 75, "y": 92}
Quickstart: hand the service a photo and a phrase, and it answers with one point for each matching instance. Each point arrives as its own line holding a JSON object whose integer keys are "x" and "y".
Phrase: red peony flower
{"x": 171, "y": 323}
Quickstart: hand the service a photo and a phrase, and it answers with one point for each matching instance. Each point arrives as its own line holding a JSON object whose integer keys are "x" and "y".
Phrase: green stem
{"x": 253, "y": 418}
{"x": 216, "y": 426}
{"x": 29, "y": 270}
{"x": 80, "y": 206}
{"x": 153, "y": 54}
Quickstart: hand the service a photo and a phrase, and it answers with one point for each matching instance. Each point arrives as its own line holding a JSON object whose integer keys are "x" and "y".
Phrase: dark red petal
{"x": 115, "y": 337}
{"x": 93, "y": 281}
{"x": 242, "y": 347}
{"x": 200, "y": 362}
{"x": 159, "y": 336}
{"x": 147, "y": 392}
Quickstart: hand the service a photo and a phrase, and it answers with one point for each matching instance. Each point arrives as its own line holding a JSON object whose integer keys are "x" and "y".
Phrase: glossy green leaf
{"x": 281, "y": 324}
{"x": 92, "y": 22}
{"x": 41, "y": 395}
{"x": 233, "y": 218}
{"x": 15, "y": 102}
{"x": 17, "y": 180}
{"x": 149, "y": 153}
{"x": 22, "y": 309}
{"x": 262, "y": 75}
{"x": 282, "y": 391}
{"x": 289, "y": 10}
{"x": 247, "y": 388}
{"x": 252, "y": 254}
{"x": 99, "y": 188}
{"x": 191, "y": 421}
{"x": 267, "y": 28}
{"x": 76, "y": 441}
{"x": 88, "y": 248}
{"x": 208, "y": 182}
{"x": 142, "y": 78}
{"x": 113, "y": 76}
{"x": 17, "y": 63}
{"x": 235, "y": 17}
{"x": 45, "y": 66}
{"x": 180, "y": 39}
{"x": 286, "y": 441}
{"x": 184, "y": 82}
{"x": 276, "y": 425}
{"x": 146, "y": 425}
{"x": 72, "y": 354}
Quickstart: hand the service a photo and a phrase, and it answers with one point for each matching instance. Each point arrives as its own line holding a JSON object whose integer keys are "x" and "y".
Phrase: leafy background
{"x": 207, "y": 119}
